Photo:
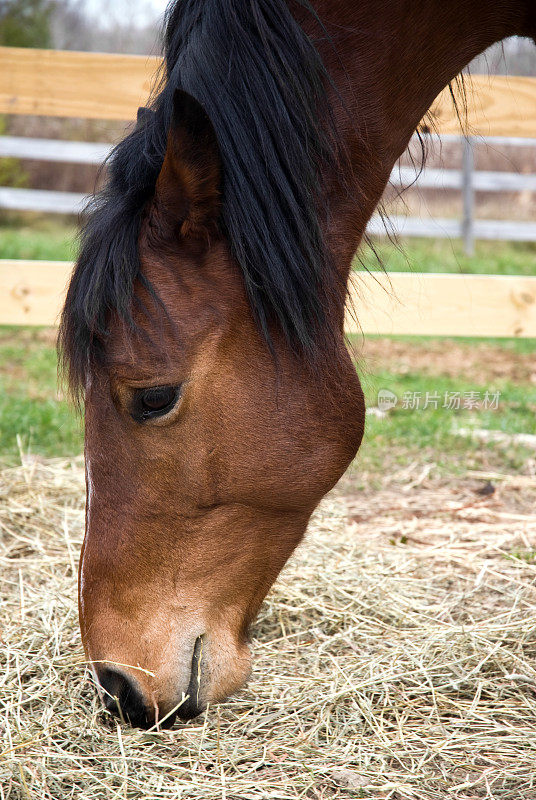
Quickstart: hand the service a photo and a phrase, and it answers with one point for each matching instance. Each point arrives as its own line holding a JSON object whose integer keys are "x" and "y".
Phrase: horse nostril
{"x": 122, "y": 698}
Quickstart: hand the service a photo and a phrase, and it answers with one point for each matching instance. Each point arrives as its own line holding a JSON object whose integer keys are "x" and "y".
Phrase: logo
{"x": 386, "y": 400}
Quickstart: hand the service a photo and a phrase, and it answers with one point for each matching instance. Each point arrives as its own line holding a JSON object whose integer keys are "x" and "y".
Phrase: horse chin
{"x": 229, "y": 667}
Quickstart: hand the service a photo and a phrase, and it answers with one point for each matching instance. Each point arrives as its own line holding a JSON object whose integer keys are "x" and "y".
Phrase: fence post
{"x": 468, "y": 165}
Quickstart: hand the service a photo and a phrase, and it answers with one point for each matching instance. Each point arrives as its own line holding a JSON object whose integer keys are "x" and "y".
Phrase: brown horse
{"x": 204, "y": 321}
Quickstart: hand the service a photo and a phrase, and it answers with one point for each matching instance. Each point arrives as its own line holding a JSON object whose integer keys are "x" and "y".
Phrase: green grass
{"x": 33, "y": 414}
{"x": 442, "y": 255}
{"x": 42, "y": 240}
{"x": 429, "y": 434}
{"x": 50, "y": 239}
{"x": 528, "y": 556}
{"x": 32, "y": 411}
{"x": 513, "y": 345}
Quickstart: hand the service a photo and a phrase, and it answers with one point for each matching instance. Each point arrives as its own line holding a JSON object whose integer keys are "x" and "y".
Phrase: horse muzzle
{"x": 134, "y": 699}
{"x": 143, "y": 699}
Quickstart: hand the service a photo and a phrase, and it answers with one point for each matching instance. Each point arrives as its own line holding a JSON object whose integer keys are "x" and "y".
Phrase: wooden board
{"x": 60, "y": 83}
{"x": 443, "y": 305}
{"x": 31, "y": 293}
{"x": 108, "y": 86}
{"x": 498, "y": 106}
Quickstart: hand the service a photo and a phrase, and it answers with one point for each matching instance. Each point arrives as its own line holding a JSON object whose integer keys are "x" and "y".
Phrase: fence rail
{"x": 407, "y": 303}
{"x": 436, "y": 228}
{"x": 491, "y": 230}
{"x": 46, "y": 201}
{"x": 111, "y": 86}
{"x": 53, "y": 150}
{"x": 60, "y": 83}
{"x": 41, "y": 200}
{"x": 31, "y": 293}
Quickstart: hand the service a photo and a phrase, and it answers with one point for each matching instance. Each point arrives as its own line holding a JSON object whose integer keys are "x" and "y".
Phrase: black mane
{"x": 262, "y": 83}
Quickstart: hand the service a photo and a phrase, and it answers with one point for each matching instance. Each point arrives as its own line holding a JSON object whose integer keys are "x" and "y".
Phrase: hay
{"x": 395, "y": 658}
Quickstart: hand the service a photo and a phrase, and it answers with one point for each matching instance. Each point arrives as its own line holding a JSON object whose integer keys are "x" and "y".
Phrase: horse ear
{"x": 188, "y": 189}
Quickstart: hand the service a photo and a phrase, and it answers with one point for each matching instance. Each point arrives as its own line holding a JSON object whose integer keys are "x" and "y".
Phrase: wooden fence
{"x": 102, "y": 86}
{"x": 108, "y": 86}
{"x": 467, "y": 180}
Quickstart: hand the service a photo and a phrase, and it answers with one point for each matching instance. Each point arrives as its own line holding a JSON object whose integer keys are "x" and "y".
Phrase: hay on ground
{"x": 395, "y": 658}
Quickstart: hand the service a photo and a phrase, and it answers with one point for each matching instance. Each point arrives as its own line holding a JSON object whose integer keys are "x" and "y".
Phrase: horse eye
{"x": 154, "y": 402}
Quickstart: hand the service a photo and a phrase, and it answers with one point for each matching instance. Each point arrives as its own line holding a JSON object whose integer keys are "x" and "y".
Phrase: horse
{"x": 203, "y": 323}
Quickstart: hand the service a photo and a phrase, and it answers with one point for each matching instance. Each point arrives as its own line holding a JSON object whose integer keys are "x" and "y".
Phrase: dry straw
{"x": 395, "y": 658}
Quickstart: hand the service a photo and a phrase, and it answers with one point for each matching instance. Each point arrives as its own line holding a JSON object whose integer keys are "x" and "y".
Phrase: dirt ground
{"x": 479, "y": 362}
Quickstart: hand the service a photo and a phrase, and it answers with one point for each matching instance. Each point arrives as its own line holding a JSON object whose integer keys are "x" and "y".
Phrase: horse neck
{"x": 388, "y": 61}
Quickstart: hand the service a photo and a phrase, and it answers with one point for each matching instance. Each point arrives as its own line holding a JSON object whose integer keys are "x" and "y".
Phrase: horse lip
{"x": 193, "y": 705}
